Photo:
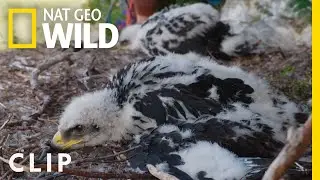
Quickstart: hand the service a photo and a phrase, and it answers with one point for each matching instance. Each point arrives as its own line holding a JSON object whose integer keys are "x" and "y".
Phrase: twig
{"x": 3, "y": 140}
{"x": 2, "y": 105}
{"x": 91, "y": 174}
{"x": 44, "y": 152}
{"x": 25, "y": 159}
{"x": 45, "y": 102}
{"x": 25, "y": 168}
{"x": 114, "y": 152}
{"x": 34, "y": 80}
{"x": 6, "y": 122}
{"x": 46, "y": 65}
{"x": 15, "y": 123}
{"x": 53, "y": 176}
{"x": 298, "y": 142}
{"x": 5, "y": 175}
{"x": 284, "y": 57}
{"x": 28, "y": 146}
{"x": 104, "y": 157}
{"x": 1, "y": 163}
{"x": 160, "y": 175}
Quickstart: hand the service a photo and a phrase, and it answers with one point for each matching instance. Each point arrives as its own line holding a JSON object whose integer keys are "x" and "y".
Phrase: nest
{"x": 36, "y": 84}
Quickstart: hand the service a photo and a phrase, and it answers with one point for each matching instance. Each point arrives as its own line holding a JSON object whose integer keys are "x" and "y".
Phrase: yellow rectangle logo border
{"x": 33, "y": 12}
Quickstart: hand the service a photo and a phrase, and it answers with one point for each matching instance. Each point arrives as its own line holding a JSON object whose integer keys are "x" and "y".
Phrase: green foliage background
{"x": 103, "y": 6}
{"x": 302, "y": 8}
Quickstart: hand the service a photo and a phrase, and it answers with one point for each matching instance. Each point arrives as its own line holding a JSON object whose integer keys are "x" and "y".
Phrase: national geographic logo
{"x": 33, "y": 13}
{"x": 80, "y": 31}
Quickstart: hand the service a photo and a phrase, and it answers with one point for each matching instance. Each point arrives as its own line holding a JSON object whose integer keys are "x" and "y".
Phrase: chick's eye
{"x": 79, "y": 128}
{"x": 96, "y": 127}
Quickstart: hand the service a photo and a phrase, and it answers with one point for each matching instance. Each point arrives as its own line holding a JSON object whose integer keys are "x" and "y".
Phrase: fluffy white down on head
{"x": 217, "y": 162}
{"x": 97, "y": 108}
{"x": 129, "y": 34}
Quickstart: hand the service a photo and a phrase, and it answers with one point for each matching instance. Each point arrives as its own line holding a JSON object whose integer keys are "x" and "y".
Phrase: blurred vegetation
{"x": 103, "y": 6}
{"x": 302, "y": 8}
{"x": 287, "y": 70}
{"x": 116, "y": 14}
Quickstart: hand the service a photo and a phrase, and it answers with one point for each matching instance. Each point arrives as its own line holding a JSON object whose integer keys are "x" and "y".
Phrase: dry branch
{"x": 104, "y": 157}
{"x": 1, "y": 163}
{"x": 28, "y": 146}
{"x": 34, "y": 80}
{"x": 19, "y": 165}
{"x": 6, "y": 122}
{"x": 2, "y": 105}
{"x": 46, "y": 65}
{"x": 106, "y": 175}
{"x": 3, "y": 140}
{"x": 45, "y": 102}
{"x": 25, "y": 168}
{"x": 298, "y": 143}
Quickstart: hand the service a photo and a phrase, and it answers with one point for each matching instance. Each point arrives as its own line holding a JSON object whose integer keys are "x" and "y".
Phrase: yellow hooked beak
{"x": 62, "y": 144}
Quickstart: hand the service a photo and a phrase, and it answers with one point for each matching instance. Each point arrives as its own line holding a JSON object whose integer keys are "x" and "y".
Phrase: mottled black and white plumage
{"x": 199, "y": 28}
{"x": 176, "y": 29}
{"x": 199, "y": 99}
{"x": 206, "y": 150}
